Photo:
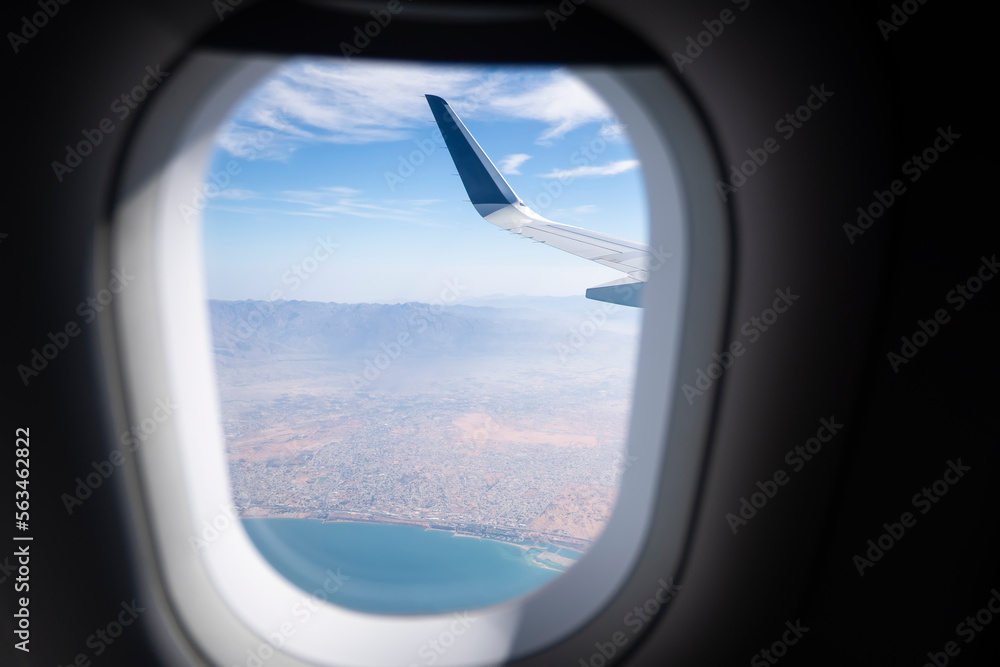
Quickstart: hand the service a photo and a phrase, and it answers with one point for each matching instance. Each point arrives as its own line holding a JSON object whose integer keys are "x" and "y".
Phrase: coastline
{"x": 542, "y": 548}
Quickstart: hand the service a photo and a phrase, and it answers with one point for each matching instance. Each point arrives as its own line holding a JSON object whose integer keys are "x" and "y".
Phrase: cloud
{"x": 249, "y": 143}
{"x": 256, "y": 210}
{"x": 577, "y": 214}
{"x": 341, "y": 190}
{"x": 313, "y": 101}
{"x": 337, "y": 201}
{"x": 613, "y": 131}
{"x": 564, "y": 102}
{"x": 510, "y": 164}
{"x": 609, "y": 169}
{"x": 330, "y": 202}
{"x": 236, "y": 193}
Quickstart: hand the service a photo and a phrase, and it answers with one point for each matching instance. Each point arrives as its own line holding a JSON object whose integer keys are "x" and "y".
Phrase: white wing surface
{"x": 497, "y": 202}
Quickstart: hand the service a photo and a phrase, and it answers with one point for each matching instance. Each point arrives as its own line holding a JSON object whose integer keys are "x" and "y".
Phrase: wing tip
{"x": 618, "y": 292}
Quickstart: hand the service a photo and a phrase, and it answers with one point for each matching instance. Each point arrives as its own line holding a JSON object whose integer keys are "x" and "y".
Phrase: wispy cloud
{"x": 236, "y": 193}
{"x": 613, "y": 131}
{"x": 341, "y": 190}
{"x": 610, "y": 169}
{"x": 317, "y": 101}
{"x": 563, "y": 101}
{"x": 336, "y": 201}
{"x": 245, "y": 142}
{"x": 578, "y": 214}
{"x": 511, "y": 164}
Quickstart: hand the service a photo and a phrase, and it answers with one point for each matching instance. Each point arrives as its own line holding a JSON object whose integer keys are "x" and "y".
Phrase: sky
{"x": 341, "y": 190}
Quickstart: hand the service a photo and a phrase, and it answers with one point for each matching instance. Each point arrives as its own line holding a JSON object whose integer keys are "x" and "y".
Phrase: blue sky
{"x": 345, "y": 152}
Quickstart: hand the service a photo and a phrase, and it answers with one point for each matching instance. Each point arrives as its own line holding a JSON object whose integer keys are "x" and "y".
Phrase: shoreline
{"x": 543, "y": 547}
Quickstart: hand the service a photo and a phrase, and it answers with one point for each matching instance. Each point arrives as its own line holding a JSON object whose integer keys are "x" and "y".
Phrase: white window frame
{"x": 227, "y": 599}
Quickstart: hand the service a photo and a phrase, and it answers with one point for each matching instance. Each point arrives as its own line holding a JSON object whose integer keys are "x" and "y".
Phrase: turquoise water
{"x": 392, "y": 569}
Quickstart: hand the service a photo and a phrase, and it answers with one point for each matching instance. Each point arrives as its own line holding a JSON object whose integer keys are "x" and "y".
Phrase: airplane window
{"x": 425, "y": 379}
{"x": 423, "y": 323}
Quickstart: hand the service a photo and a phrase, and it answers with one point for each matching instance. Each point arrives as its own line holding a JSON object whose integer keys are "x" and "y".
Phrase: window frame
{"x": 164, "y": 350}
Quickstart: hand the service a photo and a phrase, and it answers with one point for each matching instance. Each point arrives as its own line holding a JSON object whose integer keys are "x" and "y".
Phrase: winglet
{"x": 624, "y": 292}
{"x": 494, "y": 199}
{"x": 488, "y": 191}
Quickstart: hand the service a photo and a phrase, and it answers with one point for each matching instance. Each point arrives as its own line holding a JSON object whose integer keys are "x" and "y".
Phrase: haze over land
{"x": 505, "y": 420}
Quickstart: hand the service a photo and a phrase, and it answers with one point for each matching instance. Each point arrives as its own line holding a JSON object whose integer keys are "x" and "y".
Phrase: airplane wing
{"x": 497, "y": 202}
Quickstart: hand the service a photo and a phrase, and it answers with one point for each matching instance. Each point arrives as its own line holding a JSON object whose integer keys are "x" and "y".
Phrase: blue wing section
{"x": 482, "y": 181}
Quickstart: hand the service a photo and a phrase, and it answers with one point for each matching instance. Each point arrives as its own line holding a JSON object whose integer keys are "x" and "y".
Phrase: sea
{"x": 399, "y": 569}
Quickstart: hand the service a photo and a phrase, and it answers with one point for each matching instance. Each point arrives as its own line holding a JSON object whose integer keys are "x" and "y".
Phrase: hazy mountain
{"x": 262, "y": 329}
